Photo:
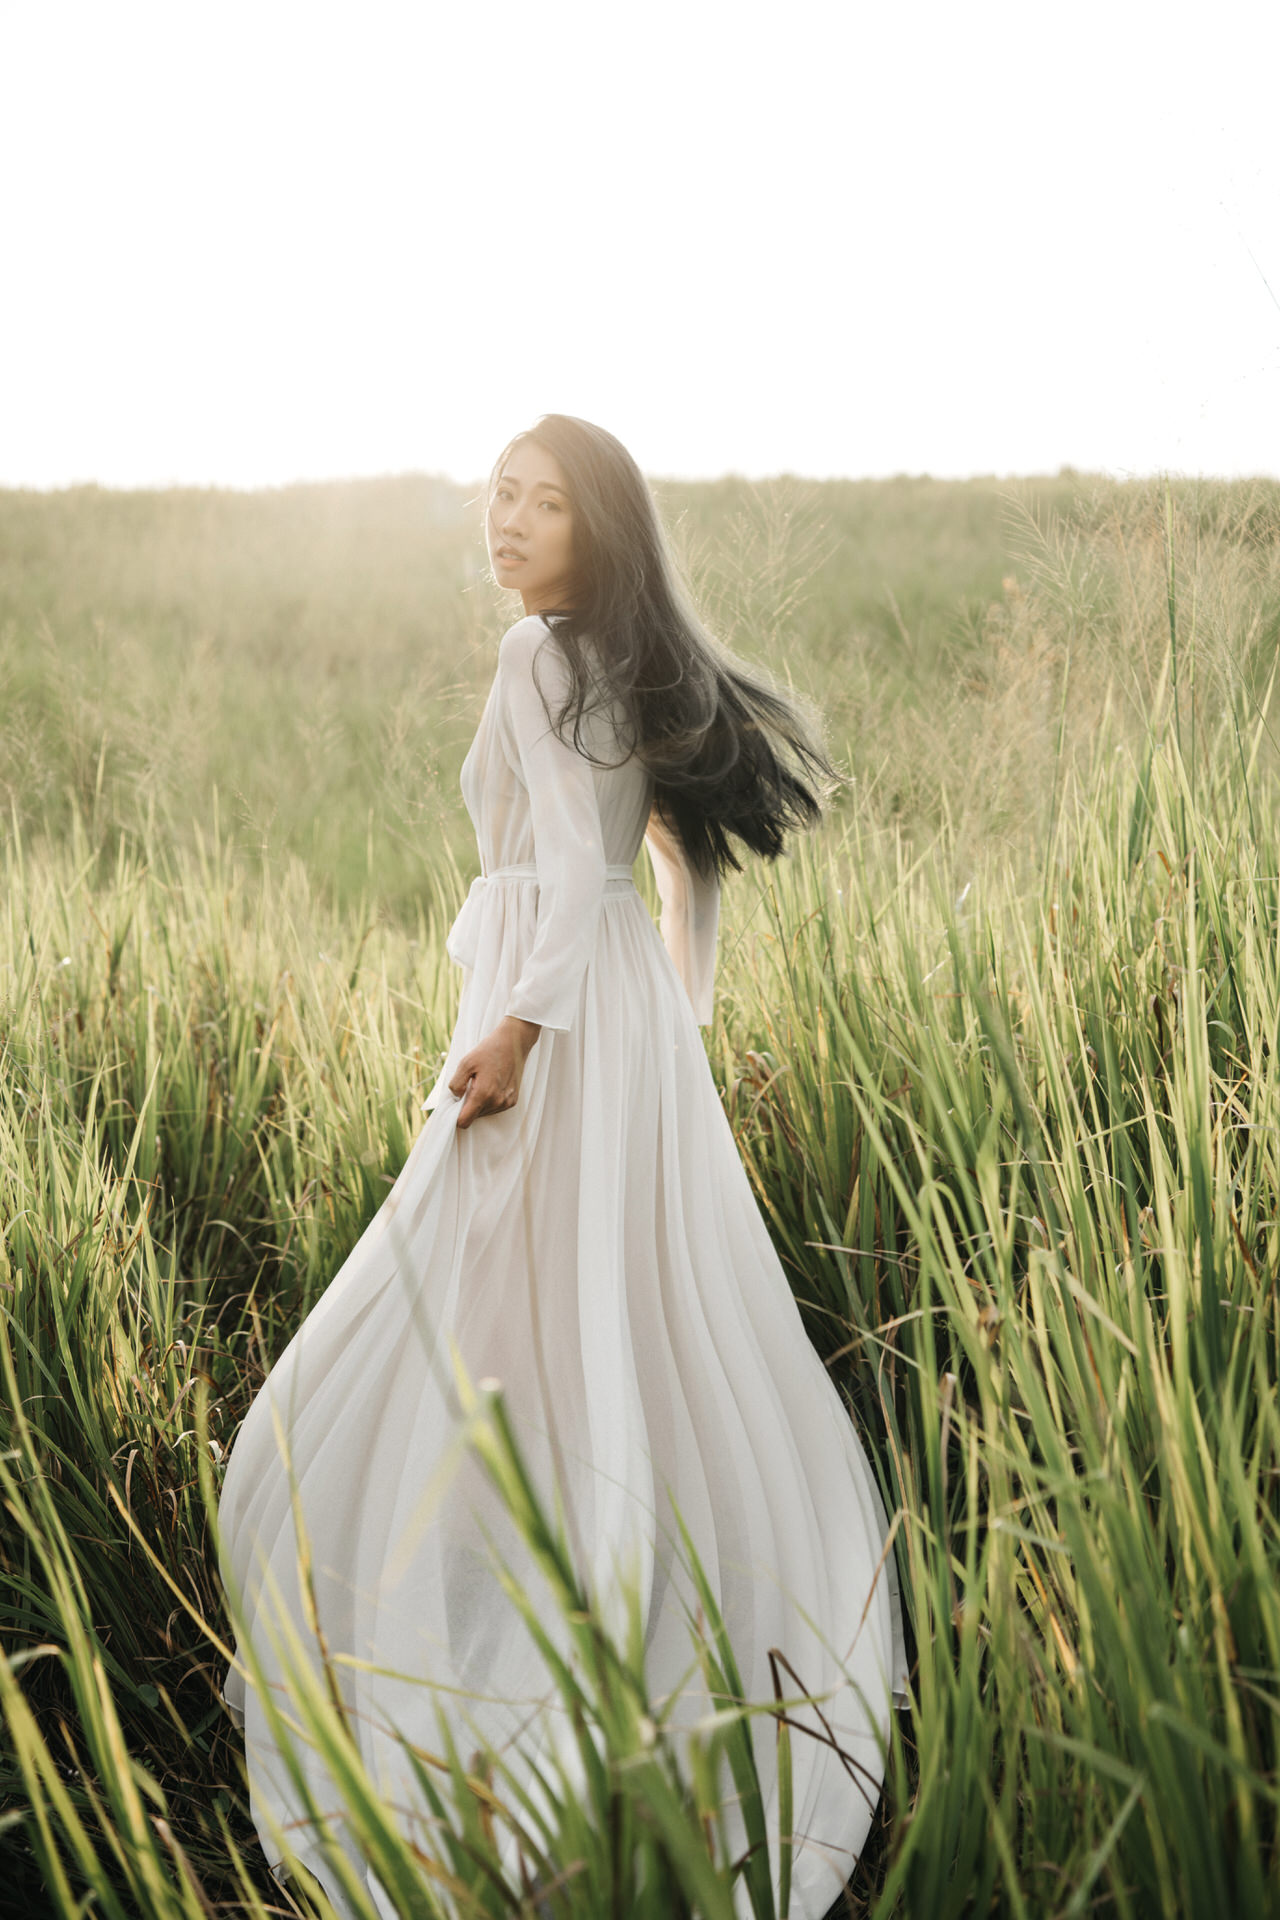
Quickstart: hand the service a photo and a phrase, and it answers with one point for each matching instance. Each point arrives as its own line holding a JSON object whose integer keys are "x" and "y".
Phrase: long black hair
{"x": 732, "y": 757}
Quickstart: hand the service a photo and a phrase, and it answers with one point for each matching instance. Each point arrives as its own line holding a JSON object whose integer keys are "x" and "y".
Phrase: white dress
{"x": 599, "y": 1252}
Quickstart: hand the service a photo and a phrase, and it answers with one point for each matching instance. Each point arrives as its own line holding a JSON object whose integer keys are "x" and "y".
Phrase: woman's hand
{"x": 488, "y": 1078}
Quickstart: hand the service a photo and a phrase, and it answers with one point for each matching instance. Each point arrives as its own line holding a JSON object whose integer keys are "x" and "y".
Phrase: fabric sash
{"x": 463, "y": 941}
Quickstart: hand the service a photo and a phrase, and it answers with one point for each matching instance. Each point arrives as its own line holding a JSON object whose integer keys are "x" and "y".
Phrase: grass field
{"x": 998, "y": 1045}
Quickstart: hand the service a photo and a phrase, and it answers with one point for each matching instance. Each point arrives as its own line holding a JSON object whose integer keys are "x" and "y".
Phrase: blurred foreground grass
{"x": 999, "y": 1047}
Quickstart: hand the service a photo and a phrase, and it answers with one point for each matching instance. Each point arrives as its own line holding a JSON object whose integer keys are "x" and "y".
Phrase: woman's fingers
{"x": 484, "y": 1095}
{"x": 487, "y": 1080}
{"x": 461, "y": 1074}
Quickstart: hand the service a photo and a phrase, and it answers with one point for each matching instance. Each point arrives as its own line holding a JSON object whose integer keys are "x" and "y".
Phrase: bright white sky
{"x": 248, "y": 243}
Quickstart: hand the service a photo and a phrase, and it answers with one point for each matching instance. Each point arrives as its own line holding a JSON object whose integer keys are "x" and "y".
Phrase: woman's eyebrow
{"x": 548, "y": 486}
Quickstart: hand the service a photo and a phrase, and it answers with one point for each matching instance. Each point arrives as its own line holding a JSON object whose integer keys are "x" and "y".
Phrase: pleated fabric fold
{"x": 598, "y": 1252}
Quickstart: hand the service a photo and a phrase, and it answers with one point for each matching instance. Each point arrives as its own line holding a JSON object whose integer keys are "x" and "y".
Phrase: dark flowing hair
{"x": 732, "y": 757}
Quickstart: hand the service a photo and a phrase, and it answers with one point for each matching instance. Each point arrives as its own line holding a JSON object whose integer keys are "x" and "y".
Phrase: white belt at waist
{"x": 464, "y": 935}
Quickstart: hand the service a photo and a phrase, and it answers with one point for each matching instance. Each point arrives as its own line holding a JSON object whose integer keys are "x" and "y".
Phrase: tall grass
{"x": 1001, "y": 1061}
{"x": 1032, "y": 1188}
{"x": 311, "y": 662}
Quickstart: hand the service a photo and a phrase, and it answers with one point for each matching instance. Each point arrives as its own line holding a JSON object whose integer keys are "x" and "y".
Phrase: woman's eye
{"x": 553, "y": 504}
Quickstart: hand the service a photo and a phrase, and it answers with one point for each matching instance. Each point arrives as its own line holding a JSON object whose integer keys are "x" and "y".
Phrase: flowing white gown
{"x": 598, "y": 1251}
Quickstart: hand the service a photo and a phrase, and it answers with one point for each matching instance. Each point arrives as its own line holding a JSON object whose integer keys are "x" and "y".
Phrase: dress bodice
{"x": 536, "y": 801}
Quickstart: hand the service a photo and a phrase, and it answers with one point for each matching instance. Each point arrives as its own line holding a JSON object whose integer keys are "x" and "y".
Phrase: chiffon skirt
{"x": 598, "y": 1252}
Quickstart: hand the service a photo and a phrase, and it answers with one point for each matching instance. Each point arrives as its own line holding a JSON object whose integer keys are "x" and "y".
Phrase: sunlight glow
{"x": 267, "y": 241}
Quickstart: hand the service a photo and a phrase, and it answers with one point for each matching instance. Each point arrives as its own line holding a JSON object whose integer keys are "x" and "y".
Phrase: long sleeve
{"x": 568, "y": 841}
{"x": 690, "y": 914}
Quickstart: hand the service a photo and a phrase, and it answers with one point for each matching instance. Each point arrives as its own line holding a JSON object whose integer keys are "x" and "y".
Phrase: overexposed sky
{"x": 250, "y": 243}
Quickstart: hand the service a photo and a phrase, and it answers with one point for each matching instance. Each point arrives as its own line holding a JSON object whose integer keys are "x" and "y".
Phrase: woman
{"x": 575, "y": 1223}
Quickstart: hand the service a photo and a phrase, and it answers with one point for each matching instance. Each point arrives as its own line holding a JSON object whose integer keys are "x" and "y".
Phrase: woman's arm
{"x": 690, "y": 913}
{"x": 568, "y": 839}
{"x": 568, "y": 846}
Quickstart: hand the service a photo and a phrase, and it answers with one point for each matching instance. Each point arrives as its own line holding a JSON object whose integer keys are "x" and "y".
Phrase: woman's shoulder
{"x": 530, "y": 651}
{"x": 522, "y": 642}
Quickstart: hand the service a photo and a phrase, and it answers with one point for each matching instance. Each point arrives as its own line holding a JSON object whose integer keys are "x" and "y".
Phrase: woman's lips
{"x": 507, "y": 557}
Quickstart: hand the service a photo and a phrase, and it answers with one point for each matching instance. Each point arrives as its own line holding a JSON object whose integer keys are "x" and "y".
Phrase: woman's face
{"x": 529, "y": 528}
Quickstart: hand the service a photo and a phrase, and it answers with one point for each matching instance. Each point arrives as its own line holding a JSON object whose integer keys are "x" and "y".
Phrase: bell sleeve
{"x": 690, "y": 915}
{"x": 568, "y": 840}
